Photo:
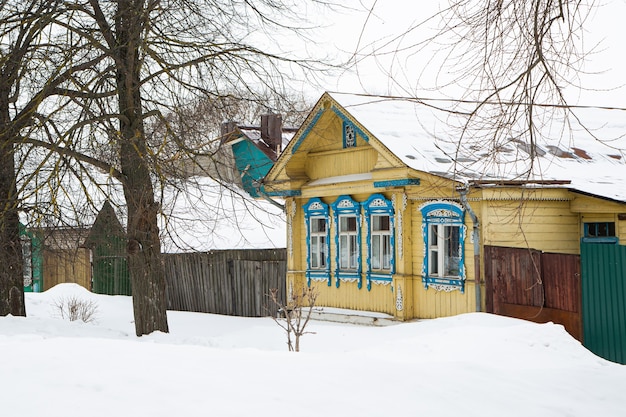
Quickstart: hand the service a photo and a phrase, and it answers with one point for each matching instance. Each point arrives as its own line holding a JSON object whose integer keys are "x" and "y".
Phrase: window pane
{"x": 386, "y": 252}
{"x": 433, "y": 240}
{"x": 347, "y": 224}
{"x": 433, "y": 262}
{"x": 376, "y": 252}
{"x": 314, "y": 252}
{"x": 318, "y": 225}
{"x": 353, "y": 252}
{"x": 380, "y": 223}
{"x": 343, "y": 252}
{"x": 322, "y": 249}
{"x": 452, "y": 260}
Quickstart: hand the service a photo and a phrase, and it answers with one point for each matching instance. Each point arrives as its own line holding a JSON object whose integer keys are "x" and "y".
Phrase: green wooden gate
{"x": 604, "y": 300}
{"x": 107, "y": 241}
{"x": 110, "y": 268}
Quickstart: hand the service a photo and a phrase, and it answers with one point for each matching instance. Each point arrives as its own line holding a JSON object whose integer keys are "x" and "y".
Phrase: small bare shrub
{"x": 294, "y": 317}
{"x": 74, "y": 308}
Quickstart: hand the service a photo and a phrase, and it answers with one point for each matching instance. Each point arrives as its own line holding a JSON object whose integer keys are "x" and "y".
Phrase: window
{"x": 444, "y": 235}
{"x": 380, "y": 240}
{"x": 348, "y": 248}
{"x": 599, "y": 232}
{"x": 600, "y": 229}
{"x": 317, "y": 237}
{"x": 444, "y": 257}
{"x": 347, "y": 217}
{"x": 318, "y": 257}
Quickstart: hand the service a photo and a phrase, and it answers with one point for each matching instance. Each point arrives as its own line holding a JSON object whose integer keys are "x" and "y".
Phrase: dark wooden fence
{"x": 230, "y": 282}
{"x": 533, "y": 285}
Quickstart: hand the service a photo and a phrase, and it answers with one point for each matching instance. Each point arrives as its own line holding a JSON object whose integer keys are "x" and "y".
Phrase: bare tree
{"x": 516, "y": 60}
{"x": 508, "y": 67}
{"x": 27, "y": 77}
{"x": 142, "y": 60}
{"x": 294, "y": 316}
{"x": 112, "y": 69}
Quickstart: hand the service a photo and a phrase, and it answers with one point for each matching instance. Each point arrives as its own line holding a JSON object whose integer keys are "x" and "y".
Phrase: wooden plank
{"x": 571, "y": 321}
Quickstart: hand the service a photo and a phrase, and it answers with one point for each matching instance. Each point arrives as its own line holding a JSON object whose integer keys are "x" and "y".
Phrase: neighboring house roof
{"x": 590, "y": 159}
{"x": 205, "y": 215}
{"x": 255, "y": 149}
{"x": 106, "y": 225}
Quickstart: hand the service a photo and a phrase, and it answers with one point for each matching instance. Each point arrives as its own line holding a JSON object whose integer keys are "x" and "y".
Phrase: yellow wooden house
{"x": 387, "y": 212}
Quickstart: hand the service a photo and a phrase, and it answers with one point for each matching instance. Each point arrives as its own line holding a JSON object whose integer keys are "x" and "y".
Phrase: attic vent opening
{"x": 349, "y": 135}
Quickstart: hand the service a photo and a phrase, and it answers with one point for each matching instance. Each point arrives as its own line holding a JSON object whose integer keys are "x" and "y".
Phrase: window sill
{"x": 318, "y": 275}
{"x": 446, "y": 284}
{"x": 614, "y": 240}
{"x": 348, "y": 275}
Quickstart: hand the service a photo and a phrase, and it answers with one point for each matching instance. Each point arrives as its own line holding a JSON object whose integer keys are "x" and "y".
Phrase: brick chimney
{"x": 272, "y": 131}
{"x": 225, "y": 129}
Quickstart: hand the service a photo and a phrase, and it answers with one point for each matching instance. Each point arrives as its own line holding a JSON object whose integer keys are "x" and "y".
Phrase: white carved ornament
{"x": 345, "y": 204}
{"x": 399, "y": 299}
{"x": 444, "y": 287}
{"x": 399, "y": 211}
{"x": 442, "y": 213}
{"x": 291, "y": 213}
{"x": 378, "y": 202}
{"x": 316, "y": 206}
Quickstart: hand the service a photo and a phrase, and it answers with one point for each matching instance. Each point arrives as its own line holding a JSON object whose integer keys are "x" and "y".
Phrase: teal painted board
{"x": 33, "y": 260}
{"x": 604, "y": 300}
{"x": 252, "y": 164}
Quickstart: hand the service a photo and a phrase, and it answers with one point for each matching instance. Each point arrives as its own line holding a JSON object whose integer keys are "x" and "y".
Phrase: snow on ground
{"x": 471, "y": 365}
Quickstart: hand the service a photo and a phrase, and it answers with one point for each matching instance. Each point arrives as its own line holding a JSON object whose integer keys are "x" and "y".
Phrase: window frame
{"x": 314, "y": 209}
{"x": 345, "y": 207}
{"x": 611, "y": 227}
{"x": 378, "y": 205}
{"x": 439, "y": 215}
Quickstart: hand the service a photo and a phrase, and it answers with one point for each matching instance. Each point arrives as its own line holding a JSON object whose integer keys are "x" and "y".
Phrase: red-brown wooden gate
{"x": 534, "y": 285}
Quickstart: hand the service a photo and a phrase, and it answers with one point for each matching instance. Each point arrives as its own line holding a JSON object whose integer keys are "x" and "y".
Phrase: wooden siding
{"x": 342, "y": 162}
{"x": 544, "y": 225}
{"x": 231, "y": 282}
{"x": 430, "y": 304}
{"x": 66, "y": 266}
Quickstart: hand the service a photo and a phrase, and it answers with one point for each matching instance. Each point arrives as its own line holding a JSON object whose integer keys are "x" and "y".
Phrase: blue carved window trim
{"x": 343, "y": 208}
{"x": 443, "y": 220}
{"x": 349, "y": 135}
{"x": 316, "y": 209}
{"x": 378, "y": 206}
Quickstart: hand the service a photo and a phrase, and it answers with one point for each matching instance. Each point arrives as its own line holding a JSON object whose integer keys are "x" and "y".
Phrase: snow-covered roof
{"x": 591, "y": 159}
{"x": 254, "y": 134}
{"x": 204, "y": 215}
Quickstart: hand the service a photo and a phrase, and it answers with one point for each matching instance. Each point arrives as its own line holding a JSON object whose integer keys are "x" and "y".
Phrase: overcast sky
{"x": 344, "y": 33}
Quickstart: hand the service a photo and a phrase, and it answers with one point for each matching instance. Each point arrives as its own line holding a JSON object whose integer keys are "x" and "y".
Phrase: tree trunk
{"x": 11, "y": 263}
{"x": 145, "y": 262}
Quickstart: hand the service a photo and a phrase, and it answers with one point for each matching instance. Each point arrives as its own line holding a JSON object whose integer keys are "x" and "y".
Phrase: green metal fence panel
{"x": 603, "y": 269}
